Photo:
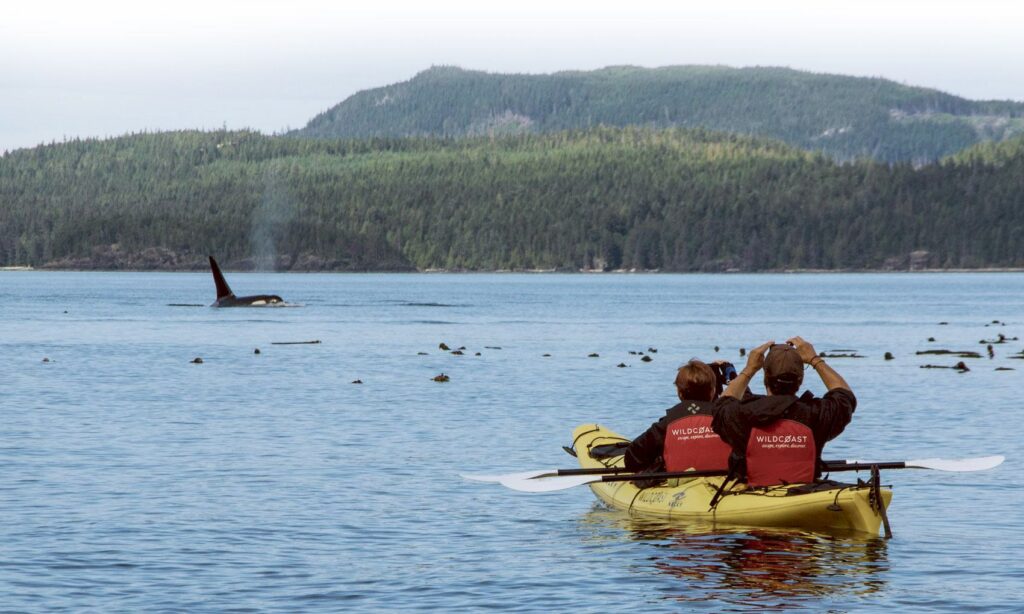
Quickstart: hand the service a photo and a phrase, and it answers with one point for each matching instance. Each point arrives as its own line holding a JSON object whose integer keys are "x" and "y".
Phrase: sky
{"x": 108, "y": 67}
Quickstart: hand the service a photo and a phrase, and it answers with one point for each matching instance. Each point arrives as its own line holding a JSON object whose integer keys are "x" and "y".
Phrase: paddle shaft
{"x": 668, "y": 475}
{"x": 613, "y": 470}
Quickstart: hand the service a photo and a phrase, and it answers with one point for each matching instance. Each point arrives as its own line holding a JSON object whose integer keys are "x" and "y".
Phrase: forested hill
{"x": 606, "y": 198}
{"x": 845, "y": 117}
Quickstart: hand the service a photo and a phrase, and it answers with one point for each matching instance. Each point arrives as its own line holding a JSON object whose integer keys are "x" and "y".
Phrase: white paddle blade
{"x": 982, "y": 463}
{"x": 493, "y": 477}
{"x": 549, "y": 484}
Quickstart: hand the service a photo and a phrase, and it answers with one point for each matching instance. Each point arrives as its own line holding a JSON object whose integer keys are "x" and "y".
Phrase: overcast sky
{"x": 104, "y": 67}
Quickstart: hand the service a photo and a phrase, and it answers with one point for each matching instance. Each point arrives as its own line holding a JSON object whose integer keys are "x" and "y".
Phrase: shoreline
{"x": 433, "y": 271}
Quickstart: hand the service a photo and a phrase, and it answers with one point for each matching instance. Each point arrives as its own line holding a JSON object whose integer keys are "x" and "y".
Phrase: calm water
{"x": 131, "y": 479}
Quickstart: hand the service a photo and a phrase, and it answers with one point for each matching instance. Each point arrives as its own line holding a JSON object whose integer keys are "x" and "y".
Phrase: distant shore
{"x": 431, "y": 271}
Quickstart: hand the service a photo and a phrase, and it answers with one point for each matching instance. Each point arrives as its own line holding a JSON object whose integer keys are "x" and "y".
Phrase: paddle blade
{"x": 495, "y": 477}
{"x": 982, "y": 463}
{"x": 549, "y": 484}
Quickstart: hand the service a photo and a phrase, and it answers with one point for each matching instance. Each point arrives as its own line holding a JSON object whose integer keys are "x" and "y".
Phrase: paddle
{"x": 966, "y": 464}
{"x": 540, "y": 473}
{"x": 561, "y": 479}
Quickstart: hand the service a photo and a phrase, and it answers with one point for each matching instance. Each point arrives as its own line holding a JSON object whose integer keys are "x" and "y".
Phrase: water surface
{"x": 136, "y": 480}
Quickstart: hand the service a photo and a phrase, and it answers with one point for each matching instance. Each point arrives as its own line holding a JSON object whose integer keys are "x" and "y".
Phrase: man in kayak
{"x": 683, "y": 438}
{"x": 778, "y": 438}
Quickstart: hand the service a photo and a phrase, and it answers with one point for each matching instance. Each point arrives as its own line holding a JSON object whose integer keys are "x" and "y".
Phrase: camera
{"x": 725, "y": 372}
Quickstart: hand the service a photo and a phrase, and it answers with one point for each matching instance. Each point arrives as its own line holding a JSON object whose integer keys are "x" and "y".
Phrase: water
{"x": 133, "y": 480}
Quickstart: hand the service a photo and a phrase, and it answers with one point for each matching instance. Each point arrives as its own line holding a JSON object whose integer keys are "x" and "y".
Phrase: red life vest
{"x": 782, "y": 452}
{"x": 690, "y": 443}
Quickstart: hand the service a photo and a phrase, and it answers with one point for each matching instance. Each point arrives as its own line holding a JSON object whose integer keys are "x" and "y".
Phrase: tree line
{"x": 602, "y": 198}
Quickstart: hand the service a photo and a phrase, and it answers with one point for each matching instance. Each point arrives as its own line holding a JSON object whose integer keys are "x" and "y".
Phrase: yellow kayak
{"x": 828, "y": 506}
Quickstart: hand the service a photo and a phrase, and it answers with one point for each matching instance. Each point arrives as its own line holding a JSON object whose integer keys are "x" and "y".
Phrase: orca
{"x": 227, "y": 298}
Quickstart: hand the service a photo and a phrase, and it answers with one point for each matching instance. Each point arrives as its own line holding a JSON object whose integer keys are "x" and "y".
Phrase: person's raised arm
{"x": 828, "y": 375}
{"x": 755, "y": 360}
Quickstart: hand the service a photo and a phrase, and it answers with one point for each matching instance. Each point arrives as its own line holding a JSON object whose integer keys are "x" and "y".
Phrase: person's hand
{"x": 804, "y": 349}
{"x": 755, "y": 358}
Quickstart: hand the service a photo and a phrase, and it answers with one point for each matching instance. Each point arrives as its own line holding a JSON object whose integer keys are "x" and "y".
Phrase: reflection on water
{"x": 773, "y": 568}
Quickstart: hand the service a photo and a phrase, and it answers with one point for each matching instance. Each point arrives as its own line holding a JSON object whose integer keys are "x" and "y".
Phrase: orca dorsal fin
{"x": 223, "y": 289}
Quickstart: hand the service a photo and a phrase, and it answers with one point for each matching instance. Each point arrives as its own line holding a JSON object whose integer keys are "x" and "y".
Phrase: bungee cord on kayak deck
{"x": 573, "y": 445}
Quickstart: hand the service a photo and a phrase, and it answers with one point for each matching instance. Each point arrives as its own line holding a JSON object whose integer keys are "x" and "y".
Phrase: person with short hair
{"x": 683, "y": 438}
{"x": 778, "y": 438}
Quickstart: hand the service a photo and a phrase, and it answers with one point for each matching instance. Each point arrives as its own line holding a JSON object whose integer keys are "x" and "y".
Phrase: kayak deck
{"x": 826, "y": 506}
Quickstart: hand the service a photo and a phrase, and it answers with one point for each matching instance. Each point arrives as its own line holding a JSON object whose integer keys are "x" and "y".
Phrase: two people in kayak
{"x": 770, "y": 439}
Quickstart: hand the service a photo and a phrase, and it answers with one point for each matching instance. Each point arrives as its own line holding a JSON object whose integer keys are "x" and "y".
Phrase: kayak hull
{"x": 826, "y": 507}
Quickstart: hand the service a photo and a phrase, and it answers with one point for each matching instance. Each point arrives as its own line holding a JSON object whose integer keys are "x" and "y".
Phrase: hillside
{"x": 605, "y": 198}
{"x": 844, "y": 117}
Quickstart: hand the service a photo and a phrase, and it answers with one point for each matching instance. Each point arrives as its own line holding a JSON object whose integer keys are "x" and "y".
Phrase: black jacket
{"x": 645, "y": 453}
{"x": 826, "y": 417}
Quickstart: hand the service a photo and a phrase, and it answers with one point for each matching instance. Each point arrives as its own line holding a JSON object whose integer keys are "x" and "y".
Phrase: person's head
{"x": 783, "y": 369}
{"x": 696, "y": 381}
